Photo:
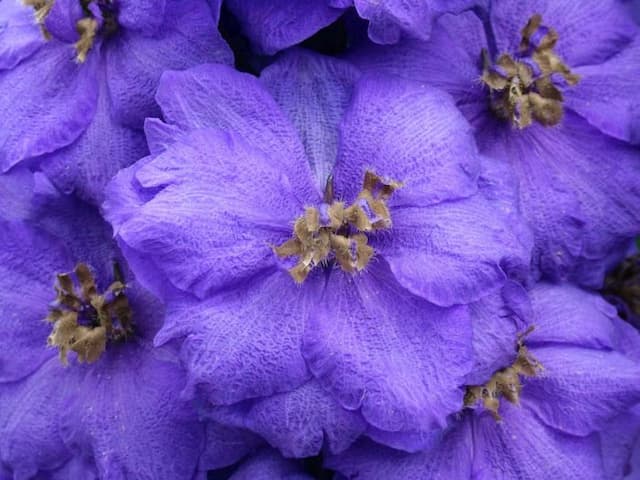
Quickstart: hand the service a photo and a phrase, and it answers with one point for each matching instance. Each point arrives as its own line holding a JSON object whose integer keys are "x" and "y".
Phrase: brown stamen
{"x": 90, "y": 337}
{"x": 342, "y": 234}
{"x": 505, "y": 382}
{"x": 87, "y": 29}
{"x": 518, "y": 93}
{"x": 42, "y": 9}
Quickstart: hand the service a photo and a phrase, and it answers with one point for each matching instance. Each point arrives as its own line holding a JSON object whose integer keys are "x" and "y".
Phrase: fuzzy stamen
{"x": 505, "y": 382}
{"x": 84, "y": 321}
{"x": 335, "y": 231}
{"x": 522, "y": 87}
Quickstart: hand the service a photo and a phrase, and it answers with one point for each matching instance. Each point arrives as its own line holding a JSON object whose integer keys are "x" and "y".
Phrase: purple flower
{"x": 114, "y": 411}
{"x": 275, "y": 25}
{"x": 78, "y": 100}
{"x": 266, "y": 465}
{"x": 571, "y": 377}
{"x": 357, "y": 296}
{"x": 550, "y": 90}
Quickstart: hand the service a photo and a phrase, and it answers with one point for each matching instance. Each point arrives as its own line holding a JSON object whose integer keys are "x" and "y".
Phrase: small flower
{"x": 549, "y": 89}
{"x": 553, "y": 423}
{"x": 119, "y": 415}
{"x": 83, "y": 81}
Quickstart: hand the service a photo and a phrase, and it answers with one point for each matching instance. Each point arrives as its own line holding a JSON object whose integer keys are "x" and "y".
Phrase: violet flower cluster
{"x": 331, "y": 239}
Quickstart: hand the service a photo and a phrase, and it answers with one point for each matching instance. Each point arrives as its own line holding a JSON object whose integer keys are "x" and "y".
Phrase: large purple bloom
{"x": 207, "y": 222}
{"x": 114, "y": 411}
{"x": 76, "y": 103}
{"x": 587, "y": 372}
{"x": 275, "y": 25}
{"x": 557, "y": 101}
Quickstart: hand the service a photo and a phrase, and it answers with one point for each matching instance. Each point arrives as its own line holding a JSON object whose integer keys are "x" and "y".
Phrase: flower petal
{"x": 581, "y": 389}
{"x": 226, "y": 445}
{"x": 314, "y": 91}
{"x": 62, "y": 18}
{"x": 242, "y": 344}
{"x": 135, "y": 62}
{"x": 145, "y": 15}
{"x": 273, "y": 25}
{"x": 378, "y": 348}
{"x": 607, "y": 95}
{"x": 268, "y": 465}
{"x": 19, "y": 36}
{"x": 590, "y": 31}
{"x": 56, "y": 99}
{"x": 522, "y": 447}
{"x": 213, "y": 222}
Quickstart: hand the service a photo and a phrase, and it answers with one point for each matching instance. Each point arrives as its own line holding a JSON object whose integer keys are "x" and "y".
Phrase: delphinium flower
{"x": 541, "y": 415}
{"x": 275, "y": 25}
{"x": 317, "y": 234}
{"x": 83, "y": 393}
{"x": 550, "y": 89}
{"x": 78, "y": 86}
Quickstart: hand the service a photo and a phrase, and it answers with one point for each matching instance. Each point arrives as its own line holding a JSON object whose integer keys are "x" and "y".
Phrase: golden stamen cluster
{"x": 342, "y": 233}
{"x": 520, "y": 95}
{"x": 88, "y": 340}
{"x": 506, "y": 382}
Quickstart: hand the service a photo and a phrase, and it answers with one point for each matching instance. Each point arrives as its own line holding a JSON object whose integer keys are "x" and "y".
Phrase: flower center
{"x": 505, "y": 382}
{"x": 623, "y": 283}
{"x": 83, "y": 320}
{"x": 100, "y": 18}
{"x": 335, "y": 232}
{"x": 524, "y": 87}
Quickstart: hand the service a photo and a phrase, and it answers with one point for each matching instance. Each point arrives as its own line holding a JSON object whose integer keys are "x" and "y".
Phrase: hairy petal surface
{"x": 378, "y": 348}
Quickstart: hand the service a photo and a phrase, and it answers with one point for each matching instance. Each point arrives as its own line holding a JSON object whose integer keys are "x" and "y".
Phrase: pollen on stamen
{"x": 522, "y": 87}
{"x": 505, "y": 383}
{"x": 335, "y": 232}
{"x": 85, "y": 321}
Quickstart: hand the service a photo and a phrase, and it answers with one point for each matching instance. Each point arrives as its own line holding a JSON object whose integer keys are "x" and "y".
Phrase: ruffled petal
{"x": 29, "y": 260}
{"x": 590, "y": 31}
{"x": 146, "y": 16}
{"x": 274, "y": 25}
{"x": 378, "y": 348}
{"x": 19, "y": 36}
{"x": 450, "y": 457}
{"x": 565, "y": 314}
{"x": 619, "y": 439}
{"x": 87, "y": 165}
{"x": 127, "y": 414}
{"x": 135, "y": 62}
{"x": 314, "y": 91}
{"x": 243, "y": 344}
{"x": 213, "y": 222}
{"x": 268, "y": 465}
{"x": 580, "y": 389}
{"x": 388, "y": 19}
{"x": 62, "y": 19}
{"x": 577, "y": 191}
{"x": 52, "y": 101}
{"x": 607, "y": 94}
{"x": 522, "y": 447}
{"x": 410, "y": 133}
{"x": 218, "y": 96}
{"x": 226, "y": 445}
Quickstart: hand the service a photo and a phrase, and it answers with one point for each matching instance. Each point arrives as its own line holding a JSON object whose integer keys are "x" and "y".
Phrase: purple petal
{"x": 387, "y": 19}
{"x": 146, "y": 16}
{"x": 129, "y": 418}
{"x": 298, "y": 422}
{"x": 226, "y": 445}
{"x": 87, "y": 165}
{"x": 52, "y": 101}
{"x": 523, "y": 447}
{"x": 269, "y": 465}
{"x": 566, "y": 314}
{"x": 62, "y": 19}
{"x": 218, "y": 96}
{"x": 314, "y": 91}
{"x": 411, "y": 134}
{"x": 29, "y": 261}
{"x": 273, "y": 25}
{"x": 619, "y": 440}
{"x": 216, "y": 228}
{"x": 449, "y": 458}
{"x": 16, "y": 191}
{"x": 575, "y": 196}
{"x": 580, "y": 389}
{"x": 378, "y": 348}
{"x": 188, "y": 37}
{"x": 19, "y": 36}
{"x": 242, "y": 344}
{"x": 607, "y": 94}
{"x": 590, "y": 31}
